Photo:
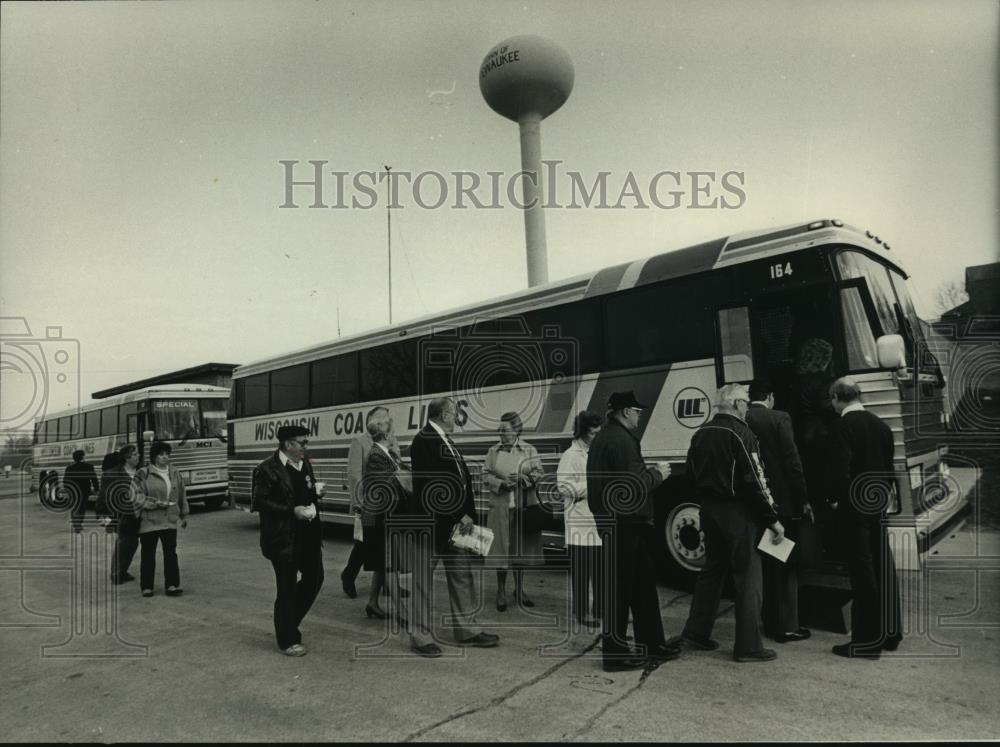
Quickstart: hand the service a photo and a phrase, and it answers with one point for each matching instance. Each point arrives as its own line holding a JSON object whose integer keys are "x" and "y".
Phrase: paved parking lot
{"x": 204, "y": 666}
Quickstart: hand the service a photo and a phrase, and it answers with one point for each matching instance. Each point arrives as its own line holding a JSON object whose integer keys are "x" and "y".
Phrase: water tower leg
{"x": 534, "y": 217}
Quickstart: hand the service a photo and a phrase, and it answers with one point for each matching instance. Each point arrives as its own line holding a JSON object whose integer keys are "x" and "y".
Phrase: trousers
{"x": 628, "y": 584}
{"x": 585, "y": 573}
{"x": 461, "y": 593}
{"x": 730, "y": 548}
{"x": 875, "y": 612}
{"x": 298, "y": 581}
{"x": 147, "y": 565}
{"x": 126, "y": 543}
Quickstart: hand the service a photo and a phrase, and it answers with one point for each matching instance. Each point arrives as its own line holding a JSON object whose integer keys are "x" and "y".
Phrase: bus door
{"x": 768, "y": 338}
{"x": 790, "y": 340}
{"x": 135, "y": 424}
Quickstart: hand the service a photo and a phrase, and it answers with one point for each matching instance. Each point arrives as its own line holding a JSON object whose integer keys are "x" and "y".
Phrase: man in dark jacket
{"x": 787, "y": 484}
{"x": 442, "y": 490}
{"x": 285, "y": 494}
{"x": 115, "y": 502}
{"x": 729, "y": 484}
{"x": 80, "y": 480}
{"x": 618, "y": 493}
{"x": 865, "y": 484}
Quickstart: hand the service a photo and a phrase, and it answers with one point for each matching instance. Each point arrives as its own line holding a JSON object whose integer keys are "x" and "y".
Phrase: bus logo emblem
{"x": 691, "y": 407}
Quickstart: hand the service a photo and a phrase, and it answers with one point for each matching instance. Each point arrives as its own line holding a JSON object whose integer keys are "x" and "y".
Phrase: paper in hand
{"x": 781, "y": 551}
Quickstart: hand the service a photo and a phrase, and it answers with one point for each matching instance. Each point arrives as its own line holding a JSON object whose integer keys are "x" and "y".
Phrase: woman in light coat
{"x": 582, "y": 539}
{"x": 161, "y": 503}
{"x": 511, "y": 473}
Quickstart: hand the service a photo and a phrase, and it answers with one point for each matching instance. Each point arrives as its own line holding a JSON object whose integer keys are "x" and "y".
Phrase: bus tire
{"x": 214, "y": 503}
{"x": 681, "y": 544}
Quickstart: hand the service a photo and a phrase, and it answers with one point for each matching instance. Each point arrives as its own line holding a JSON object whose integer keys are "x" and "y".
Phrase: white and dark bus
{"x": 672, "y": 327}
{"x": 190, "y": 417}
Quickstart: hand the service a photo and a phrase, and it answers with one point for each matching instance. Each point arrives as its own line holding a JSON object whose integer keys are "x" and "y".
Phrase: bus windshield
{"x": 179, "y": 419}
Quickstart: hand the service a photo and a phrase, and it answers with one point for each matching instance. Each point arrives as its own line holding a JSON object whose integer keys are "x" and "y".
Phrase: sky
{"x": 141, "y": 144}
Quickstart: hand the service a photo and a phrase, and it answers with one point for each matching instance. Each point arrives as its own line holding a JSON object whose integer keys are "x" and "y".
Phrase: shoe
{"x": 296, "y": 649}
{"x": 851, "y": 651}
{"x": 128, "y": 576}
{"x": 624, "y": 664}
{"x": 702, "y": 643}
{"x": 349, "y": 587}
{"x": 891, "y": 644}
{"x": 482, "y": 640}
{"x": 147, "y": 592}
{"x": 430, "y": 650}
{"x": 664, "y": 652}
{"x": 765, "y": 654}
{"x": 799, "y": 635}
{"x": 174, "y": 591}
{"x": 115, "y": 581}
{"x": 77, "y": 530}
{"x": 589, "y": 622}
{"x": 523, "y": 600}
{"x": 501, "y": 605}
{"x": 371, "y": 612}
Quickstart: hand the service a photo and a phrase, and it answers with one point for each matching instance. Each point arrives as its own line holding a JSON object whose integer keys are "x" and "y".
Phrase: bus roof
{"x": 715, "y": 254}
{"x": 152, "y": 392}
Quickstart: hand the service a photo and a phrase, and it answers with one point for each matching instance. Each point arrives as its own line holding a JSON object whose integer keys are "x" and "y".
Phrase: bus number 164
{"x": 780, "y": 270}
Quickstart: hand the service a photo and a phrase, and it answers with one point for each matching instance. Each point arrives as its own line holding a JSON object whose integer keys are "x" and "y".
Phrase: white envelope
{"x": 781, "y": 551}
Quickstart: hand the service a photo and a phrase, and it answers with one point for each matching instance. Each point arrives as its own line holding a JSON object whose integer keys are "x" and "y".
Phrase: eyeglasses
{"x": 744, "y": 401}
{"x": 300, "y": 442}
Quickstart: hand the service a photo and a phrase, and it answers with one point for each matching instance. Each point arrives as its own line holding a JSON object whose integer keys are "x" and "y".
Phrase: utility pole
{"x": 388, "y": 233}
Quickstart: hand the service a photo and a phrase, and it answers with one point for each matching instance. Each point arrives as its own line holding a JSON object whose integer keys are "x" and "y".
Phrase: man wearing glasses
{"x": 285, "y": 493}
{"x": 736, "y": 505}
{"x": 618, "y": 493}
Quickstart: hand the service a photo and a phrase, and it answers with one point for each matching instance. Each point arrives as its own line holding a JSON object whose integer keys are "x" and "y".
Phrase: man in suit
{"x": 285, "y": 494}
{"x": 442, "y": 491}
{"x": 729, "y": 484}
{"x": 619, "y": 484}
{"x": 357, "y": 459}
{"x": 865, "y": 484}
{"x": 787, "y": 484}
{"x": 80, "y": 479}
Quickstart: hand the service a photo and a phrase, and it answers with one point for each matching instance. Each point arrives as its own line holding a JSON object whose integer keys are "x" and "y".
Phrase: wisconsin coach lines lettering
{"x": 269, "y": 431}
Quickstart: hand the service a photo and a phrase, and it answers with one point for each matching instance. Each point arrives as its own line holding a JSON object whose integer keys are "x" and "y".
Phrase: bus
{"x": 190, "y": 417}
{"x": 672, "y": 328}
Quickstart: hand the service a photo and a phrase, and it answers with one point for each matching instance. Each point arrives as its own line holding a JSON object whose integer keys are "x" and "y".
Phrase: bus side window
{"x": 734, "y": 344}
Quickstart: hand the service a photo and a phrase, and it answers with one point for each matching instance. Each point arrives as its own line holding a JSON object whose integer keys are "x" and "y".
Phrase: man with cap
{"x": 618, "y": 493}
{"x": 728, "y": 481}
{"x": 285, "y": 494}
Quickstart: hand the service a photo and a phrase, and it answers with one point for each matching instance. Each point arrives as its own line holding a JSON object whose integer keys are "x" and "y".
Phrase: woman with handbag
{"x": 383, "y": 493}
{"x": 158, "y": 496}
{"x": 511, "y": 473}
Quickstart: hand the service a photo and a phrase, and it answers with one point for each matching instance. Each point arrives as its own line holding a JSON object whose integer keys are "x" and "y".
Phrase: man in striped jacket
{"x": 729, "y": 484}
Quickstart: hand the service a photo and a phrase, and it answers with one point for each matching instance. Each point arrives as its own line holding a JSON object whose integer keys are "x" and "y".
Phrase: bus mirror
{"x": 891, "y": 352}
{"x": 147, "y": 436}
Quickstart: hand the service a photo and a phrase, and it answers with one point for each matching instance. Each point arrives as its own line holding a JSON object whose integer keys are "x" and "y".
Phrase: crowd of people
{"x": 743, "y": 469}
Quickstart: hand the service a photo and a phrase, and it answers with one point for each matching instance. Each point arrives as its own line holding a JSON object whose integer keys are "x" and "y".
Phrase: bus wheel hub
{"x": 685, "y": 540}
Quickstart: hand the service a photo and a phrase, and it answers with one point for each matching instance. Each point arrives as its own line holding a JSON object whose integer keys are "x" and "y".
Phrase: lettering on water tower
{"x": 499, "y": 57}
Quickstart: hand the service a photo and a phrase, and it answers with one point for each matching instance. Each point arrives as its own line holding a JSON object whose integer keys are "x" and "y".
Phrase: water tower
{"x": 526, "y": 78}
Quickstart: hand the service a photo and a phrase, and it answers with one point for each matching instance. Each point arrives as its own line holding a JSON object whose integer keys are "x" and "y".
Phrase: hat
{"x": 621, "y": 400}
{"x": 286, "y": 432}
